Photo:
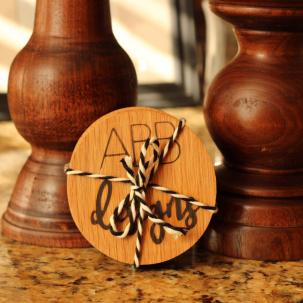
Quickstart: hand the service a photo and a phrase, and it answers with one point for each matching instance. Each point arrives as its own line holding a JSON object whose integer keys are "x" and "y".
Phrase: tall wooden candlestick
{"x": 254, "y": 111}
{"x": 71, "y": 72}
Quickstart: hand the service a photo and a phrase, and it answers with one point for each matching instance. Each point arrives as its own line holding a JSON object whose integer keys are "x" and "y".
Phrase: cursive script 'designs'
{"x": 157, "y": 233}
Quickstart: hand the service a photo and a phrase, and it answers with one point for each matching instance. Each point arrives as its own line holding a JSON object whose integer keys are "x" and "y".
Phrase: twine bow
{"x": 135, "y": 201}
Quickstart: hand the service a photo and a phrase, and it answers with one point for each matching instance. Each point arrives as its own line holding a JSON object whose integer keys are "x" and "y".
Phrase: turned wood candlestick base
{"x": 38, "y": 212}
{"x": 259, "y": 218}
{"x": 71, "y": 72}
{"x": 254, "y": 111}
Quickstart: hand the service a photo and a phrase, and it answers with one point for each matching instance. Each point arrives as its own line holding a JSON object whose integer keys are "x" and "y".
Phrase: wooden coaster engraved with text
{"x": 186, "y": 169}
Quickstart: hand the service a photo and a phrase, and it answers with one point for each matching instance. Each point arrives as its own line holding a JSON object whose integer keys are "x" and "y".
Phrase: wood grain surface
{"x": 71, "y": 72}
{"x": 190, "y": 172}
{"x": 254, "y": 112}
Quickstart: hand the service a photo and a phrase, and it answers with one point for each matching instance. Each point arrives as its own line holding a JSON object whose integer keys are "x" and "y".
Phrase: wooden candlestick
{"x": 71, "y": 72}
{"x": 254, "y": 111}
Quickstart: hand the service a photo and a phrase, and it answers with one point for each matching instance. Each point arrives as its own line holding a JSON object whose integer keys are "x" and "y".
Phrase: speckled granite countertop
{"x": 35, "y": 274}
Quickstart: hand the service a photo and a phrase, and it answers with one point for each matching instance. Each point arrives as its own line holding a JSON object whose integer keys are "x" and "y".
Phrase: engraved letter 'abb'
{"x": 115, "y": 147}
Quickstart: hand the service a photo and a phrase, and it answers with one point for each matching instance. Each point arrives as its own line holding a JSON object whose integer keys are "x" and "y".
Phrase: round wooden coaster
{"x": 187, "y": 169}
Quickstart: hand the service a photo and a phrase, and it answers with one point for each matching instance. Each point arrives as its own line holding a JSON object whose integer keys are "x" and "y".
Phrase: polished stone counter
{"x": 37, "y": 274}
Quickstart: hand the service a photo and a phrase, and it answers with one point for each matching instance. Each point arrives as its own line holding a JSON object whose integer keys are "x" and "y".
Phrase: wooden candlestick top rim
{"x": 276, "y": 4}
{"x": 187, "y": 169}
{"x": 264, "y": 15}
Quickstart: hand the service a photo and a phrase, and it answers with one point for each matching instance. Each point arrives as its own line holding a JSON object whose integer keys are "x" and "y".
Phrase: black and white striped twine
{"x": 140, "y": 181}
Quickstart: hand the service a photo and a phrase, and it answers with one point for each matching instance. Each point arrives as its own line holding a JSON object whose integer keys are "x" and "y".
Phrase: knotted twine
{"x": 135, "y": 203}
